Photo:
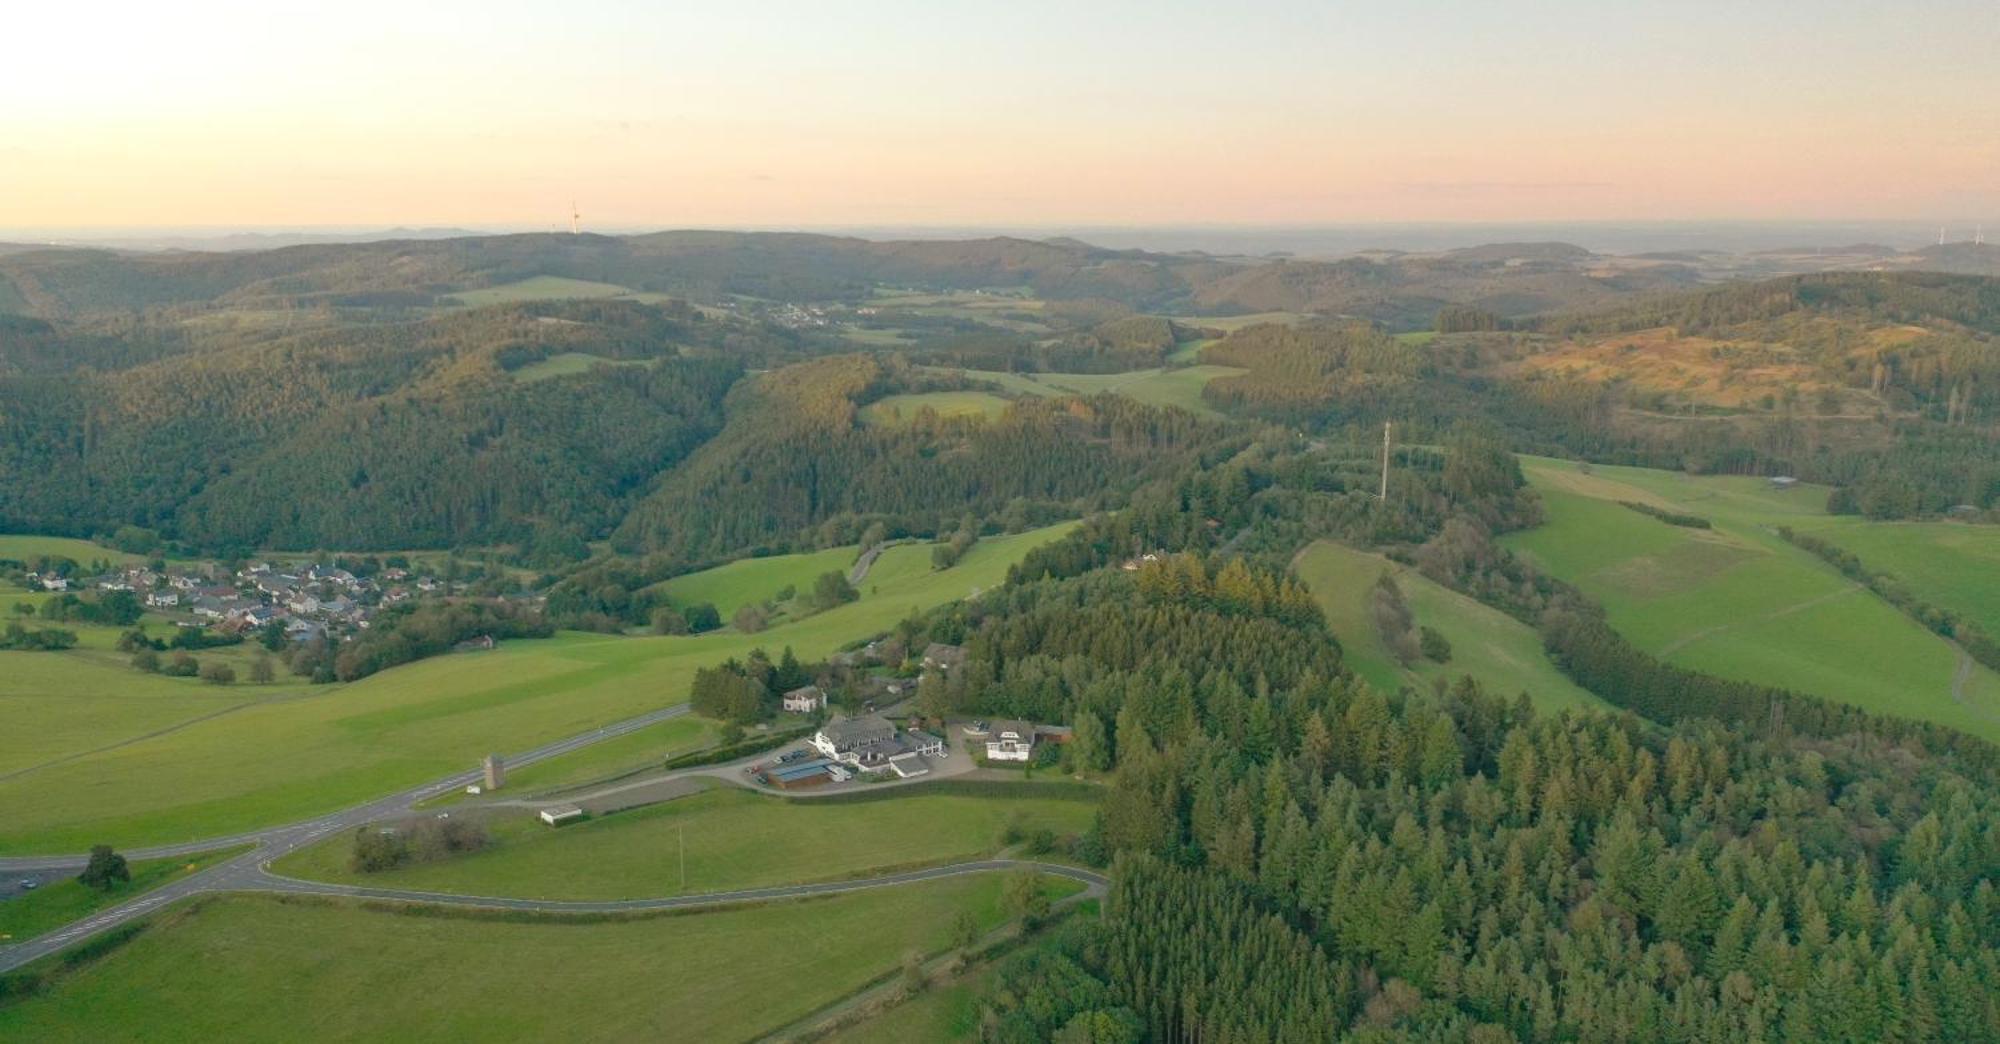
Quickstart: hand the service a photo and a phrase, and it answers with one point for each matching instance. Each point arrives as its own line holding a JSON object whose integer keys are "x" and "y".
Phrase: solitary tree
{"x": 106, "y": 869}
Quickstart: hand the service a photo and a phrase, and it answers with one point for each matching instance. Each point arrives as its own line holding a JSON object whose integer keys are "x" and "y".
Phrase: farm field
{"x": 900, "y": 409}
{"x": 632, "y": 752}
{"x": 733, "y": 839}
{"x": 20, "y": 547}
{"x": 233, "y": 968}
{"x": 1158, "y": 387}
{"x": 1504, "y": 654}
{"x": 539, "y": 288}
{"x": 748, "y": 581}
{"x": 566, "y": 364}
{"x": 54, "y": 905}
{"x": 1737, "y": 601}
{"x": 1953, "y": 565}
{"x": 332, "y": 746}
{"x": 948, "y": 1012}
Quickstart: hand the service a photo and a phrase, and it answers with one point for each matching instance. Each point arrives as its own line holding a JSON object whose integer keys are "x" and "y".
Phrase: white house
{"x": 804, "y": 699}
{"x": 163, "y": 599}
{"x": 1010, "y": 741}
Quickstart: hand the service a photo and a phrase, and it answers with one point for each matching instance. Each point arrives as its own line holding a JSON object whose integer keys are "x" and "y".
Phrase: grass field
{"x": 948, "y": 1012}
{"x": 566, "y": 364}
{"x": 21, "y": 547}
{"x": 1158, "y": 387}
{"x": 1954, "y": 565}
{"x": 636, "y": 750}
{"x": 539, "y": 288}
{"x": 901, "y": 409}
{"x": 276, "y": 760}
{"x": 54, "y": 905}
{"x": 1501, "y": 652}
{"x": 234, "y": 968}
{"x": 752, "y": 580}
{"x": 733, "y": 839}
{"x": 1739, "y": 602}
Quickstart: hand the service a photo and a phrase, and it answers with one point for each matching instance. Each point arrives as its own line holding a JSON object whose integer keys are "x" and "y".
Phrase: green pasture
{"x": 566, "y": 364}
{"x": 901, "y": 409}
{"x": 21, "y": 547}
{"x": 255, "y": 967}
{"x": 323, "y": 748}
{"x": 1158, "y": 387}
{"x": 1739, "y": 602}
{"x": 1502, "y": 653}
{"x": 750, "y": 581}
{"x": 635, "y": 751}
{"x": 1953, "y": 565}
{"x": 732, "y": 839}
{"x": 538, "y": 288}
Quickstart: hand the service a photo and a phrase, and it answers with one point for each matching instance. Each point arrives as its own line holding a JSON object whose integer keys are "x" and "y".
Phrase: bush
{"x": 106, "y": 869}
{"x": 181, "y": 665}
{"x": 216, "y": 672}
{"x": 703, "y": 617}
{"x": 1435, "y": 646}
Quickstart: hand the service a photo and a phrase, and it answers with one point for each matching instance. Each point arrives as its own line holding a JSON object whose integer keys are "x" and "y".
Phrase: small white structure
{"x": 1010, "y": 741}
{"x": 473, "y": 789}
{"x": 804, "y": 700}
{"x": 559, "y": 814}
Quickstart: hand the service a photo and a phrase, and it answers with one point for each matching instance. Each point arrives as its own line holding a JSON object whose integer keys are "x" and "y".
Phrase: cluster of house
{"x": 310, "y": 600}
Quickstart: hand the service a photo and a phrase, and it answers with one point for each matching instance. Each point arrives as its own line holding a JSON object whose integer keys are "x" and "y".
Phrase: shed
{"x": 557, "y": 815}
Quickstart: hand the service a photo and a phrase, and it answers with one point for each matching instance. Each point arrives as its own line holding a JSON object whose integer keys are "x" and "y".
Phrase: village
{"x": 308, "y": 600}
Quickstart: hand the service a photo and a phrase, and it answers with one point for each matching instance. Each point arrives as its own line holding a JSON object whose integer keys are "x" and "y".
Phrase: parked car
{"x": 30, "y": 884}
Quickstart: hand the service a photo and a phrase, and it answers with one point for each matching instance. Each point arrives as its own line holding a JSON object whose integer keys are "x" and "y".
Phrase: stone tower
{"x": 496, "y": 772}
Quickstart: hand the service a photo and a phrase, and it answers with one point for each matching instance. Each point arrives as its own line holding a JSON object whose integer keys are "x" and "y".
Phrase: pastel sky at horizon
{"x": 1024, "y": 113}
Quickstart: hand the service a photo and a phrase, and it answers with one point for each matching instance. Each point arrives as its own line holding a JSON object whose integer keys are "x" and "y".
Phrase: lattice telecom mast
{"x": 574, "y": 217}
{"x": 1385, "y": 461}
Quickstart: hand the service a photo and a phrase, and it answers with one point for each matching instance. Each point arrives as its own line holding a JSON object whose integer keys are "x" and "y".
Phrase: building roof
{"x": 804, "y": 692}
{"x": 788, "y": 773}
{"x": 1020, "y": 729}
{"x": 847, "y": 733}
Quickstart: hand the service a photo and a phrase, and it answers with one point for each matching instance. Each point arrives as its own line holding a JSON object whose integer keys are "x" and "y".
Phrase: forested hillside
{"x": 1299, "y": 857}
{"x": 792, "y": 459}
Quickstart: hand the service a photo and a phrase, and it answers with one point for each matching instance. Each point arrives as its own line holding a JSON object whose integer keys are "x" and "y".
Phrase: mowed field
{"x": 730, "y": 839}
{"x": 1499, "y": 651}
{"x": 749, "y": 581}
{"x": 549, "y": 288}
{"x": 1739, "y": 602}
{"x": 1954, "y": 565}
{"x": 1158, "y": 387}
{"x": 264, "y": 968}
{"x": 902, "y": 409}
{"x": 80, "y": 772}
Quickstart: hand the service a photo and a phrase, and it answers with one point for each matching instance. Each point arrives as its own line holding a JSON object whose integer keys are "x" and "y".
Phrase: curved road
{"x": 250, "y": 871}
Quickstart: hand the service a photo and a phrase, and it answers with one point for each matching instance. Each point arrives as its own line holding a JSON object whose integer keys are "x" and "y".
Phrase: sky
{"x": 775, "y": 114}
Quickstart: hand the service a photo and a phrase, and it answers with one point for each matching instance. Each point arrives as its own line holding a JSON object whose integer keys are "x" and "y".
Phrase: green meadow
{"x": 1954, "y": 565}
{"x": 901, "y": 409}
{"x": 21, "y": 547}
{"x": 1739, "y": 602}
{"x": 201, "y": 766}
{"x": 1502, "y": 653}
{"x": 233, "y": 968}
{"x": 1157, "y": 387}
{"x": 565, "y": 364}
{"x": 730, "y": 839}
{"x": 749, "y": 581}
{"x": 539, "y": 288}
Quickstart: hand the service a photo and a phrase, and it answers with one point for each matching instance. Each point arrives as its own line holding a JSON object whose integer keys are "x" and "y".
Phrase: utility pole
{"x": 681, "y": 830}
{"x": 1385, "y": 462}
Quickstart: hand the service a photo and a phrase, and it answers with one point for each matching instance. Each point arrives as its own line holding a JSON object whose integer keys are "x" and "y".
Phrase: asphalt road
{"x": 245, "y": 871}
{"x": 250, "y": 871}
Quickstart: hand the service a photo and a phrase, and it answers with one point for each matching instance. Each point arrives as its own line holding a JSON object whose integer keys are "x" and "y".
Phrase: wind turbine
{"x": 574, "y": 217}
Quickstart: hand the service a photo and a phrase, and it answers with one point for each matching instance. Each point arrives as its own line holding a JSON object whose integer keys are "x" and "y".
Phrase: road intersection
{"x": 250, "y": 871}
